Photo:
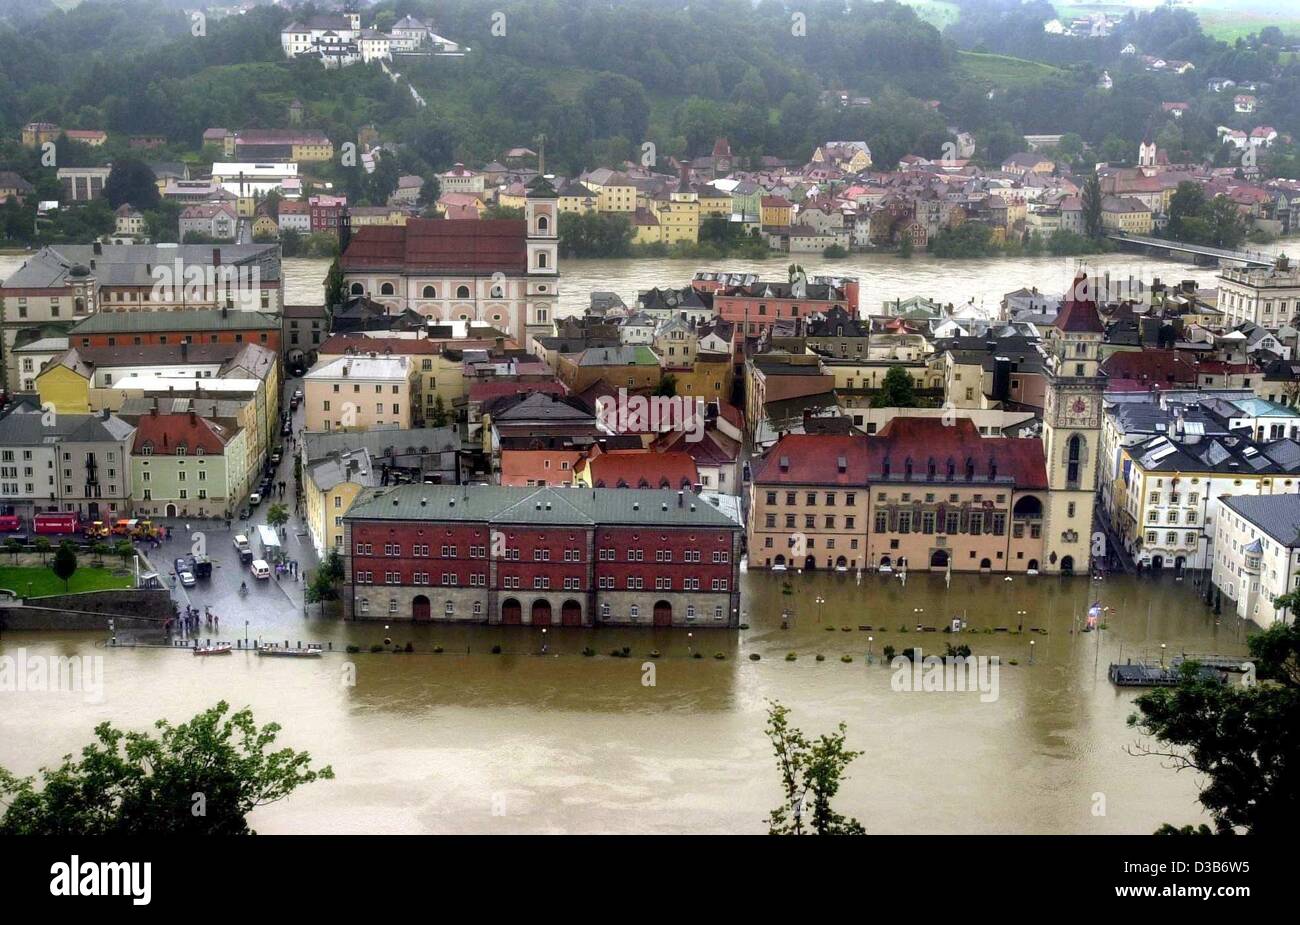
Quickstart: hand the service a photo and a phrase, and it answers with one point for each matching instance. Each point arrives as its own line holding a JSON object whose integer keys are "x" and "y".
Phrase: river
{"x": 468, "y": 741}
{"x": 884, "y": 277}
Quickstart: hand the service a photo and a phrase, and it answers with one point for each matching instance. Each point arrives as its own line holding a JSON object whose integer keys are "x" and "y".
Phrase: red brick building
{"x": 204, "y": 326}
{"x": 541, "y": 557}
{"x": 754, "y": 307}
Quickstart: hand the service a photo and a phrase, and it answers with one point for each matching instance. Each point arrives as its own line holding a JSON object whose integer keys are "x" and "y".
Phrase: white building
{"x": 1257, "y": 556}
{"x": 1268, "y": 297}
{"x": 246, "y": 178}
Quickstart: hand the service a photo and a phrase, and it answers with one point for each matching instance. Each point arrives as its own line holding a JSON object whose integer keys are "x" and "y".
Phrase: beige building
{"x": 1257, "y": 555}
{"x": 361, "y": 392}
{"x": 1267, "y": 297}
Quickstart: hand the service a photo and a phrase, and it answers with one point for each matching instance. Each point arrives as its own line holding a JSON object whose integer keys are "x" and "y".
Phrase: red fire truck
{"x": 56, "y": 523}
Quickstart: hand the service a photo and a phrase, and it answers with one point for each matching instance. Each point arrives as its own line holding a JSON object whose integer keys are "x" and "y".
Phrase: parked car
{"x": 244, "y": 549}
{"x": 254, "y": 499}
{"x": 261, "y": 569}
{"x": 287, "y": 429}
{"x": 276, "y": 457}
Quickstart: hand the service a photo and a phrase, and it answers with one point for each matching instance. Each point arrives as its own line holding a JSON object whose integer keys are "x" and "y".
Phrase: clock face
{"x": 1079, "y": 407}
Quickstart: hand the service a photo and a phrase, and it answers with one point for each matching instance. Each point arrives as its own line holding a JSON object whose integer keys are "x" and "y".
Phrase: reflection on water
{"x": 559, "y": 741}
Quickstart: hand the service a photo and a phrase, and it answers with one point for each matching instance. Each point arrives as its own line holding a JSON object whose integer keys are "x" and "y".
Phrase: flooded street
{"x": 467, "y": 741}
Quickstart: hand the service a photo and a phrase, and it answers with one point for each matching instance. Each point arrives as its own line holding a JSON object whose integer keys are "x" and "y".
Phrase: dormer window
{"x": 180, "y": 449}
{"x": 146, "y": 448}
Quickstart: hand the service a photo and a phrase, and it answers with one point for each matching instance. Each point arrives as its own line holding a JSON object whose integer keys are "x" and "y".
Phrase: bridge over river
{"x": 1199, "y": 253}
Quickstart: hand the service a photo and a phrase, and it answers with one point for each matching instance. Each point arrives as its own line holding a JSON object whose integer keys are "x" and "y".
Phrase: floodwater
{"x": 544, "y": 739}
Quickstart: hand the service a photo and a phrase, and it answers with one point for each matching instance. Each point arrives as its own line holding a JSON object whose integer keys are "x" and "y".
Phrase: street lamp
{"x": 1020, "y": 618}
{"x": 1162, "y": 655}
{"x": 820, "y": 600}
{"x": 1031, "y": 651}
{"x": 543, "y": 640}
{"x": 870, "y": 639}
{"x": 689, "y": 639}
{"x": 916, "y": 614}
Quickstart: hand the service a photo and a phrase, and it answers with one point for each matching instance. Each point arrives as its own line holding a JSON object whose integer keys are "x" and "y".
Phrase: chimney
{"x": 97, "y": 249}
{"x": 216, "y": 256}
{"x": 681, "y": 499}
{"x": 153, "y": 412}
{"x": 185, "y": 350}
{"x": 194, "y": 418}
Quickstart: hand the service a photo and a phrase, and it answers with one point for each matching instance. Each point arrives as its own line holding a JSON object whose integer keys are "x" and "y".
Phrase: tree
{"x": 65, "y": 562}
{"x": 132, "y": 783}
{"x": 42, "y": 545}
{"x": 810, "y": 771}
{"x": 325, "y": 581}
{"x": 897, "y": 391}
{"x": 1092, "y": 207}
{"x": 277, "y": 516}
{"x": 131, "y": 181}
{"x": 334, "y": 286}
{"x": 100, "y": 549}
{"x": 123, "y": 550}
{"x": 13, "y": 547}
{"x": 438, "y": 416}
{"x": 667, "y": 385}
{"x": 1242, "y": 739}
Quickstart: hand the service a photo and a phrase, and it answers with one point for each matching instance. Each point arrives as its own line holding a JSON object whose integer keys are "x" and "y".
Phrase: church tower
{"x": 1072, "y": 429}
{"x": 542, "y": 217}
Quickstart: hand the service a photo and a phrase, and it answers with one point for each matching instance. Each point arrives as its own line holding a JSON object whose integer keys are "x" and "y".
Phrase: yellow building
{"x": 1126, "y": 214}
{"x": 714, "y": 203}
{"x": 576, "y": 198}
{"x": 36, "y": 134}
{"x": 679, "y": 219}
{"x": 614, "y": 194}
{"x": 64, "y": 385}
{"x": 775, "y": 212}
{"x": 265, "y": 227}
{"x": 329, "y": 488}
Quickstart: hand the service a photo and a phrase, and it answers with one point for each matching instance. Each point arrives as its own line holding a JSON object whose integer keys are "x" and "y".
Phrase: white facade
{"x": 1252, "y": 567}
{"x": 1269, "y": 297}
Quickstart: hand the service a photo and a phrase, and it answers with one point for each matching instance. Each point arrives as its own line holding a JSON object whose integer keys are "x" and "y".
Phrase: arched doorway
{"x": 511, "y": 612}
{"x": 810, "y": 562}
{"x": 841, "y": 564}
{"x": 1180, "y": 563}
{"x": 780, "y": 560}
{"x": 171, "y": 510}
{"x": 571, "y": 614}
{"x": 1033, "y": 565}
{"x": 986, "y": 565}
{"x": 1157, "y": 562}
{"x": 541, "y": 615}
{"x": 886, "y": 564}
{"x": 1067, "y": 565}
{"x": 663, "y": 613}
{"x": 939, "y": 559}
{"x": 420, "y": 608}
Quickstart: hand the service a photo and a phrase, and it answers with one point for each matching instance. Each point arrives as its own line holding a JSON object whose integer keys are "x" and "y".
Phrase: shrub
{"x": 410, "y": 647}
{"x": 754, "y": 656}
{"x": 352, "y": 650}
{"x": 697, "y": 655}
{"x": 888, "y": 652}
{"x": 588, "y": 651}
{"x": 744, "y": 626}
{"x": 376, "y": 648}
{"x": 654, "y": 653}
{"x": 846, "y": 658}
{"x": 821, "y": 658}
{"x": 437, "y": 650}
{"x": 496, "y": 650}
{"x": 790, "y": 656}
{"x": 719, "y": 656}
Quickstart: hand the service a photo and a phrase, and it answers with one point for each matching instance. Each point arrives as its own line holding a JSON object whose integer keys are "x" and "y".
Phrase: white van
{"x": 261, "y": 569}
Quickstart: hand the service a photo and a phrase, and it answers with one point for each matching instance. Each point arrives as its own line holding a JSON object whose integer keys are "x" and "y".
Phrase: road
{"x": 272, "y": 606}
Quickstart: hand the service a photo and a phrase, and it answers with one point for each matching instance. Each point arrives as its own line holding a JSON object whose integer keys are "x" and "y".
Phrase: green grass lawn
{"x": 43, "y": 581}
{"x": 1002, "y": 70}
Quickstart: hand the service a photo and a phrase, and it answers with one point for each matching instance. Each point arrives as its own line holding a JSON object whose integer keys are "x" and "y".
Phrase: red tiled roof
{"x": 925, "y": 439}
{"x": 1150, "y": 366}
{"x": 1079, "y": 315}
{"x": 441, "y": 246}
{"x": 167, "y": 431}
{"x": 629, "y": 470}
{"x": 813, "y": 459}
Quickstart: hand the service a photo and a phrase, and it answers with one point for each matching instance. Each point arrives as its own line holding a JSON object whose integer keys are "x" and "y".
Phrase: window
{"x": 462, "y": 292}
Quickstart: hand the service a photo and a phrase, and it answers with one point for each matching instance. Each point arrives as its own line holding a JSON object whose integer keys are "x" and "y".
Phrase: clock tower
{"x": 1072, "y": 429}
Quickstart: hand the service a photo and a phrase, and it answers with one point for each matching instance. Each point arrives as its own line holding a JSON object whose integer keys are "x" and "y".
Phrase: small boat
{"x": 218, "y": 648}
{"x": 311, "y": 650}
